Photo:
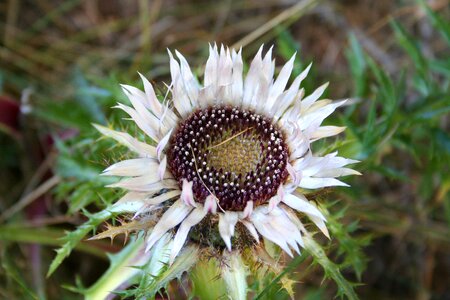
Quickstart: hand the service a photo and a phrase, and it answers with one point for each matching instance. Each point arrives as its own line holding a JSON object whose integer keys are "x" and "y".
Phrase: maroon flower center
{"x": 234, "y": 154}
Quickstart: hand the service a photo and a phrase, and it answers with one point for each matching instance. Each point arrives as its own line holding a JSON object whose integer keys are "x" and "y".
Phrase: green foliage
{"x": 234, "y": 273}
{"x": 121, "y": 271}
{"x": 349, "y": 246}
{"x": 332, "y": 271}
{"x": 272, "y": 288}
{"x": 74, "y": 237}
{"x": 148, "y": 272}
{"x": 207, "y": 271}
{"x": 358, "y": 66}
{"x": 157, "y": 274}
{"x": 392, "y": 121}
{"x": 438, "y": 22}
{"x": 150, "y": 286}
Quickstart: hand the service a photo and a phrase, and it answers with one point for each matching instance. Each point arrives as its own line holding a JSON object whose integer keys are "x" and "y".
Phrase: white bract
{"x": 152, "y": 186}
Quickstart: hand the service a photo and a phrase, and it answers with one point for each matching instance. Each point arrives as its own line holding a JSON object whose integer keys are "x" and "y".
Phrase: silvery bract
{"x": 236, "y": 149}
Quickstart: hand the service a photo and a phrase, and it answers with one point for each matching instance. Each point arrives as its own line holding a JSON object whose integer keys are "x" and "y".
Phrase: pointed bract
{"x": 153, "y": 181}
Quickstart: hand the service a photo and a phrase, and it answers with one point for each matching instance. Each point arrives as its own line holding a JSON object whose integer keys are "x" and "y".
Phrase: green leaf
{"x": 286, "y": 44}
{"x": 411, "y": 47}
{"x": 121, "y": 270}
{"x": 274, "y": 283}
{"x": 386, "y": 89}
{"x": 369, "y": 134}
{"x": 71, "y": 164}
{"x": 206, "y": 280}
{"x": 74, "y": 237}
{"x": 159, "y": 273}
{"x": 82, "y": 196}
{"x": 358, "y": 66}
{"x": 235, "y": 276}
{"x": 85, "y": 95}
{"x": 442, "y": 139}
{"x": 331, "y": 269}
{"x": 437, "y": 21}
{"x": 156, "y": 264}
{"x": 390, "y": 172}
{"x": 313, "y": 294}
{"x": 56, "y": 112}
{"x": 286, "y": 47}
{"x": 441, "y": 66}
{"x": 42, "y": 236}
{"x": 350, "y": 247}
{"x": 430, "y": 108}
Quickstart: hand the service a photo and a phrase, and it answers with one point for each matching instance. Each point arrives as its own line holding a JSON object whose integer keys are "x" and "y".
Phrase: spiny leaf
{"x": 125, "y": 228}
{"x": 265, "y": 268}
{"x": 290, "y": 268}
{"x": 120, "y": 272}
{"x": 74, "y": 237}
{"x": 157, "y": 262}
{"x": 330, "y": 268}
{"x": 186, "y": 259}
{"x": 235, "y": 275}
{"x": 350, "y": 247}
{"x": 206, "y": 280}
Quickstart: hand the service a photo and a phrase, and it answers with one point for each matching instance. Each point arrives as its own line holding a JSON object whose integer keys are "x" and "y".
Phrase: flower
{"x": 233, "y": 151}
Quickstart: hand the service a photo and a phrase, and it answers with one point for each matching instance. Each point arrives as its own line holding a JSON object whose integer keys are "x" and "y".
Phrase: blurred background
{"x": 61, "y": 62}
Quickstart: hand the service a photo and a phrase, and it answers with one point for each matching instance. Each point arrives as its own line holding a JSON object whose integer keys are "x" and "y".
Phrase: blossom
{"x": 233, "y": 150}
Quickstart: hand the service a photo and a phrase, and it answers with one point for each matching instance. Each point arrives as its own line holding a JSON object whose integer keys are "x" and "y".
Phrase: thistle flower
{"x": 233, "y": 151}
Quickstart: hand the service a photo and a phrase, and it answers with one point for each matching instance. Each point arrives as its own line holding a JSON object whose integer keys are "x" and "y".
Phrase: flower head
{"x": 234, "y": 150}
